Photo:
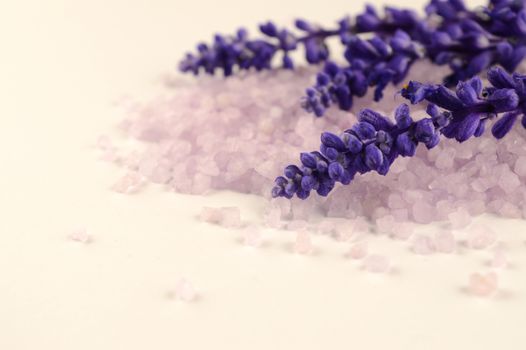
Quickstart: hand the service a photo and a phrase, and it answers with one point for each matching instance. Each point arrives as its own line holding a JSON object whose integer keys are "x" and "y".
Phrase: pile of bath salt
{"x": 211, "y": 133}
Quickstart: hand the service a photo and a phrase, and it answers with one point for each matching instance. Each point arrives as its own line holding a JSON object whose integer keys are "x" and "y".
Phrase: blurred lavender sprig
{"x": 228, "y": 53}
{"x": 375, "y": 141}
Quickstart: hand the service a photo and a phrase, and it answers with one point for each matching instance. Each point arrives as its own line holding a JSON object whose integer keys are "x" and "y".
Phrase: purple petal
{"x": 504, "y": 124}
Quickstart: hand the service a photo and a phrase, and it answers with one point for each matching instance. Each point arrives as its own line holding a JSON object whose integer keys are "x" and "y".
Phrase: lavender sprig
{"x": 375, "y": 141}
{"x": 228, "y": 53}
{"x": 373, "y": 62}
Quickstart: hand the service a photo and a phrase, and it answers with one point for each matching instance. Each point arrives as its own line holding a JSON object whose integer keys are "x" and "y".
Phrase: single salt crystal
{"x": 211, "y": 215}
{"x": 459, "y": 219}
{"x": 423, "y": 213}
{"x": 395, "y": 201}
{"x": 376, "y": 263}
{"x": 231, "y": 217}
{"x": 252, "y": 236}
{"x": 296, "y": 225}
{"x": 385, "y": 224}
{"x": 499, "y": 259}
{"x": 129, "y": 183}
{"x": 303, "y": 243}
{"x": 402, "y": 231}
{"x": 481, "y": 237}
{"x": 272, "y": 217}
{"x": 509, "y": 182}
{"x": 445, "y": 159}
{"x": 444, "y": 242}
{"x": 185, "y": 291}
{"x": 358, "y": 250}
{"x": 81, "y": 235}
{"x": 483, "y": 284}
{"x": 423, "y": 245}
{"x": 520, "y": 166}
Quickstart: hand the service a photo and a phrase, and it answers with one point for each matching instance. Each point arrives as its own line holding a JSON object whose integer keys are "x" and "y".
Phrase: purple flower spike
{"x": 375, "y": 142}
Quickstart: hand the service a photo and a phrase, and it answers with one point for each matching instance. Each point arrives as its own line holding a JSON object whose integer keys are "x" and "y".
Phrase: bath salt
{"x": 241, "y": 136}
{"x": 303, "y": 243}
{"x": 358, "y": 250}
{"x": 252, "y": 236}
{"x": 483, "y": 284}
{"x": 185, "y": 291}
{"x": 81, "y": 235}
{"x": 376, "y": 263}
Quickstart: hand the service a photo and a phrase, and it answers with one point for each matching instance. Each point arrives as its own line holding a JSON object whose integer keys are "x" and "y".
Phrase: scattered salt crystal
{"x": 211, "y": 215}
{"x": 185, "y": 291}
{"x": 358, "y": 250}
{"x": 80, "y": 235}
{"x": 402, "y": 231}
{"x": 231, "y": 217}
{"x": 499, "y": 258}
{"x": 376, "y": 263}
{"x": 129, "y": 183}
{"x": 483, "y": 284}
{"x": 252, "y": 236}
{"x": 303, "y": 244}
{"x": 459, "y": 219}
{"x": 444, "y": 242}
{"x": 481, "y": 237}
{"x": 385, "y": 224}
{"x": 296, "y": 225}
{"x": 423, "y": 245}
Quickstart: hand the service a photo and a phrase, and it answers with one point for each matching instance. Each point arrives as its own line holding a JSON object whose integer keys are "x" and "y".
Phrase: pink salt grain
{"x": 444, "y": 242}
{"x": 80, "y": 235}
{"x": 303, "y": 244}
{"x": 481, "y": 237}
{"x": 211, "y": 215}
{"x": 483, "y": 284}
{"x": 252, "y": 236}
{"x": 459, "y": 219}
{"x": 358, "y": 250}
{"x": 185, "y": 291}
{"x": 499, "y": 258}
{"x": 423, "y": 245}
{"x": 376, "y": 263}
{"x": 231, "y": 217}
{"x": 129, "y": 183}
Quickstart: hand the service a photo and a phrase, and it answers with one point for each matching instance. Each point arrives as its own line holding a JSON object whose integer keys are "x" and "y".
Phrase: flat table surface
{"x": 63, "y": 65}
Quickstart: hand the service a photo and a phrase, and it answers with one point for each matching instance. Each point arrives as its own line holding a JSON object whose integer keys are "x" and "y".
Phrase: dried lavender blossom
{"x": 375, "y": 141}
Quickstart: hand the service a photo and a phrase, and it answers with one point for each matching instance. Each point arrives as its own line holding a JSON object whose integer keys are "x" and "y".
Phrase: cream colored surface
{"x": 62, "y": 65}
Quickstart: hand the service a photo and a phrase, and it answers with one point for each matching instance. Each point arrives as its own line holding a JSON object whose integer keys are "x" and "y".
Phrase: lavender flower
{"x": 375, "y": 141}
{"x": 227, "y": 53}
{"x": 372, "y": 62}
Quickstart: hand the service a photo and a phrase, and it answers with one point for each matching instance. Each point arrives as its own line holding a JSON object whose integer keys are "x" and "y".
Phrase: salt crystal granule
{"x": 444, "y": 242}
{"x": 481, "y": 237}
{"x": 423, "y": 245}
{"x": 252, "y": 236}
{"x": 376, "y": 263}
{"x": 81, "y": 235}
{"x": 303, "y": 243}
{"x": 483, "y": 284}
{"x": 129, "y": 183}
{"x": 185, "y": 291}
{"x": 229, "y": 217}
{"x": 358, "y": 250}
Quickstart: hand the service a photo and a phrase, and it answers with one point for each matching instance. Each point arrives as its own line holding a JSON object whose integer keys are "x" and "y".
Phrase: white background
{"x": 62, "y": 64}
